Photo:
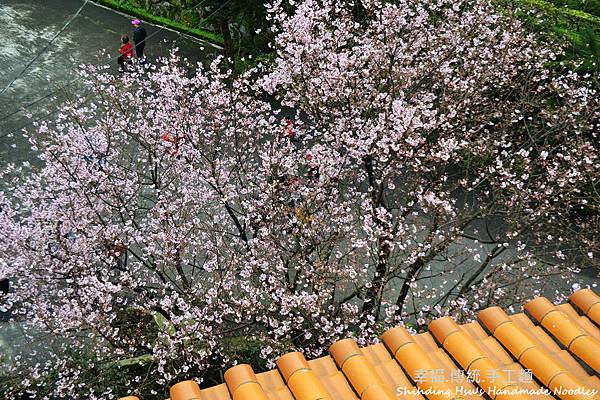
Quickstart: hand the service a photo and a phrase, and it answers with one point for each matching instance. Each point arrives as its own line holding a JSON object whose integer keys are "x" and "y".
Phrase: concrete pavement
{"x": 27, "y": 26}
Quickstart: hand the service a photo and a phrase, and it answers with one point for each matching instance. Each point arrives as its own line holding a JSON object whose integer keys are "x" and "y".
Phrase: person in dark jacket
{"x": 139, "y": 38}
{"x": 4, "y": 289}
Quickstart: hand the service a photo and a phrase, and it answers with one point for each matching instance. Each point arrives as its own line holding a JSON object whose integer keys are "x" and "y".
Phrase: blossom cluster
{"x": 406, "y": 164}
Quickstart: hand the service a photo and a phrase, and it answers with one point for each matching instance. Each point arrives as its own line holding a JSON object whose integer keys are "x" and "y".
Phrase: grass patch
{"x": 146, "y": 16}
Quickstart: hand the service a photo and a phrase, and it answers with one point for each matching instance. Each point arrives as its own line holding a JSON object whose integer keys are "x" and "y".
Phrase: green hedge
{"x": 149, "y": 17}
{"x": 589, "y": 6}
{"x": 577, "y": 16}
{"x": 579, "y": 30}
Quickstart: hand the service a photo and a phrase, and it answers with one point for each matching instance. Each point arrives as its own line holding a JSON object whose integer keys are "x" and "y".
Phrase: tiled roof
{"x": 548, "y": 352}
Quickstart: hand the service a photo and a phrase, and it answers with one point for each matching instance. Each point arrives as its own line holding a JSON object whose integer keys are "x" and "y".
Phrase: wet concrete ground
{"x": 27, "y": 26}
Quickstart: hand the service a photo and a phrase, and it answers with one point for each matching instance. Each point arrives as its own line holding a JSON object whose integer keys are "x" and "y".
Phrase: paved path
{"x": 27, "y": 26}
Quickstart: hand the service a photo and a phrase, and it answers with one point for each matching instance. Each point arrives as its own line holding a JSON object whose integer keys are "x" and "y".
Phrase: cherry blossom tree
{"x": 420, "y": 160}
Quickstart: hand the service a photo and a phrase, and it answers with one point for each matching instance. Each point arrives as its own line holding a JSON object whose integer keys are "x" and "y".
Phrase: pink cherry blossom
{"x": 426, "y": 163}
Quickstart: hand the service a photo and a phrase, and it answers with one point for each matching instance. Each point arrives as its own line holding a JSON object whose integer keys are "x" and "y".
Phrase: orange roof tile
{"x": 557, "y": 347}
{"x": 300, "y": 378}
{"x": 566, "y": 330}
{"x": 588, "y": 302}
{"x": 549, "y": 372}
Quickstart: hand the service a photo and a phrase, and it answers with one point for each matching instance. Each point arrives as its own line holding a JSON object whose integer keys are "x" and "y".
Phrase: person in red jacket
{"x": 289, "y": 129}
{"x": 126, "y": 51}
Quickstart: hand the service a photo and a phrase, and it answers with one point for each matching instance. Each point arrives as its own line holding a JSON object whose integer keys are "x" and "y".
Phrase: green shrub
{"x": 578, "y": 30}
{"x": 98, "y": 378}
{"x": 137, "y": 11}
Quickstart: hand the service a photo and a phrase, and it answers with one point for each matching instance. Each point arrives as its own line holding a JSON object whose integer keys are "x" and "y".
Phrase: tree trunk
{"x": 228, "y": 43}
{"x": 372, "y": 301}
